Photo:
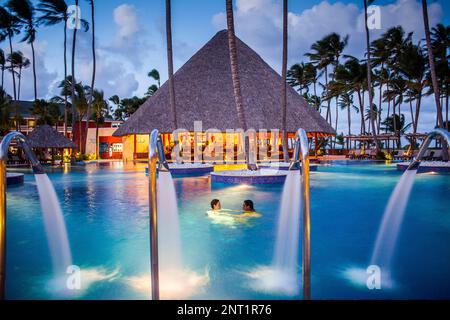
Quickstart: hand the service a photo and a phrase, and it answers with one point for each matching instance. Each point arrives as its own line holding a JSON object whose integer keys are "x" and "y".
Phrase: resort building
{"x": 110, "y": 147}
{"x": 204, "y": 94}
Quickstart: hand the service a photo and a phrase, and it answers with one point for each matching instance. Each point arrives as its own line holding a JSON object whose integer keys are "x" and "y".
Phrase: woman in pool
{"x": 247, "y": 210}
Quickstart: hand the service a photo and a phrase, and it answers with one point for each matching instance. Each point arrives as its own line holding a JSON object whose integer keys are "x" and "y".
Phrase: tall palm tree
{"x": 412, "y": 65}
{"x": 54, "y": 12}
{"x": 5, "y": 113}
{"x": 235, "y": 72}
{"x": 440, "y": 119}
{"x": 25, "y": 13}
{"x": 94, "y": 68}
{"x": 9, "y": 26}
{"x": 346, "y": 102}
{"x": 170, "y": 64}
{"x": 72, "y": 88}
{"x": 100, "y": 109}
{"x": 284, "y": 84}
{"x": 155, "y": 75}
{"x": 19, "y": 61}
{"x": 321, "y": 57}
{"x": 2, "y": 65}
{"x": 297, "y": 77}
{"x": 440, "y": 42}
{"x": 369, "y": 75}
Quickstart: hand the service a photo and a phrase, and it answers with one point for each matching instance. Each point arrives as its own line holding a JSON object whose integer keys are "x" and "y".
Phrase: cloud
{"x": 125, "y": 17}
{"x": 45, "y": 77}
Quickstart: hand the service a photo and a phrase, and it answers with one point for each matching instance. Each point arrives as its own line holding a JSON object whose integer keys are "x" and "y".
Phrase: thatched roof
{"x": 45, "y": 136}
{"x": 204, "y": 91}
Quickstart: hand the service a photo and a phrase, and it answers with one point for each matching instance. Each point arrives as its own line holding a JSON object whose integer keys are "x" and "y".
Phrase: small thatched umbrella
{"x": 45, "y": 137}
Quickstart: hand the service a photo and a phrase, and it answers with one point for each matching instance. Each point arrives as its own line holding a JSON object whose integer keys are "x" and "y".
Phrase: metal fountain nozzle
{"x": 301, "y": 149}
{"x": 415, "y": 163}
{"x": 23, "y": 142}
{"x": 156, "y": 150}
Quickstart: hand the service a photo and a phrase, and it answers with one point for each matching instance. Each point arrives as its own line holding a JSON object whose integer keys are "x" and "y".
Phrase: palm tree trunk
{"x": 412, "y": 115}
{"x": 94, "y": 67}
{"x": 434, "y": 81}
{"x": 361, "y": 109}
{"x": 34, "y": 70}
{"x": 97, "y": 153}
{"x": 380, "y": 101}
{"x": 284, "y": 84}
{"x": 234, "y": 66}
{"x": 235, "y": 77}
{"x": 170, "y": 64}
{"x": 369, "y": 78}
{"x": 74, "y": 113}
{"x": 349, "y": 120}
{"x": 3, "y": 76}
{"x": 336, "y": 120}
{"x": 20, "y": 80}
{"x": 446, "y": 110}
{"x": 328, "y": 100}
{"x": 418, "y": 103}
{"x": 12, "y": 68}
{"x": 65, "y": 77}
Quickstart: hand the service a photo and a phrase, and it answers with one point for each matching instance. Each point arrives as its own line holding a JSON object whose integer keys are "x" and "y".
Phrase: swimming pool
{"x": 106, "y": 212}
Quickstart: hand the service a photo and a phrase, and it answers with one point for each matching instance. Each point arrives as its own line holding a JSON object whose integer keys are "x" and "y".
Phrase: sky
{"x": 130, "y": 36}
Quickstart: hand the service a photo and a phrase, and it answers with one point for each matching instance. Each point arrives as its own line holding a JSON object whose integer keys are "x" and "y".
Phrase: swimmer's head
{"x": 215, "y": 204}
{"x": 248, "y": 206}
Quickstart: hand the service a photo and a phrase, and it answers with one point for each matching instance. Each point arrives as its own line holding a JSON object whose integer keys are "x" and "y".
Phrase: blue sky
{"x": 131, "y": 41}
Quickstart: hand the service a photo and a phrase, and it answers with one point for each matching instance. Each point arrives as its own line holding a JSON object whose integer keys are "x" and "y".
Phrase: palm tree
{"x": 9, "y": 26}
{"x": 284, "y": 84}
{"x": 3, "y": 65}
{"x": 72, "y": 89}
{"x": 369, "y": 76}
{"x": 412, "y": 65}
{"x": 5, "y": 113}
{"x": 440, "y": 42}
{"x": 353, "y": 76}
{"x": 18, "y": 60}
{"x": 94, "y": 67}
{"x": 25, "y": 13}
{"x": 396, "y": 124}
{"x": 321, "y": 58}
{"x": 434, "y": 81}
{"x": 151, "y": 90}
{"x": 346, "y": 102}
{"x": 55, "y": 12}
{"x": 155, "y": 75}
{"x": 100, "y": 108}
{"x": 235, "y": 72}
{"x": 170, "y": 64}
{"x": 296, "y": 77}
{"x": 47, "y": 112}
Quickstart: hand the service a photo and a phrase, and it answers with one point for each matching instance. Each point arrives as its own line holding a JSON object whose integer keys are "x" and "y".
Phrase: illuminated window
{"x": 117, "y": 147}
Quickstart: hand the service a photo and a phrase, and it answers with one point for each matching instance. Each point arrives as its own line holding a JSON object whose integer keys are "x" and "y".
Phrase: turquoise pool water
{"x": 106, "y": 213}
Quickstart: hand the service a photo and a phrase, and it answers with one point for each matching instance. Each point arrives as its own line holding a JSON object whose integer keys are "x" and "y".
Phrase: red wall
{"x": 110, "y": 141}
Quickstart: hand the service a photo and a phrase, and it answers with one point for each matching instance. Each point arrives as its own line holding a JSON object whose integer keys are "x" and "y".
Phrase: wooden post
{"x": 316, "y": 146}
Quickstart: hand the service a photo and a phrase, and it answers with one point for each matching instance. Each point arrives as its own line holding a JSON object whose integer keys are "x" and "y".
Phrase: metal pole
{"x": 301, "y": 151}
{"x": 306, "y": 250}
{"x": 155, "y": 153}
{"x": 153, "y": 218}
{"x": 2, "y": 227}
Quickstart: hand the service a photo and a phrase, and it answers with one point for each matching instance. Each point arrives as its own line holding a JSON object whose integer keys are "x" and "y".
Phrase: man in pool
{"x": 247, "y": 210}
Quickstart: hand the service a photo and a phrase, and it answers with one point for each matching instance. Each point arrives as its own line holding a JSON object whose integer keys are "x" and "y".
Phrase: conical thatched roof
{"x": 45, "y": 136}
{"x": 204, "y": 91}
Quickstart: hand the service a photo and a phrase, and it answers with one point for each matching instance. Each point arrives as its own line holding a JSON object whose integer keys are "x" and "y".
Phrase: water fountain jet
{"x": 394, "y": 213}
